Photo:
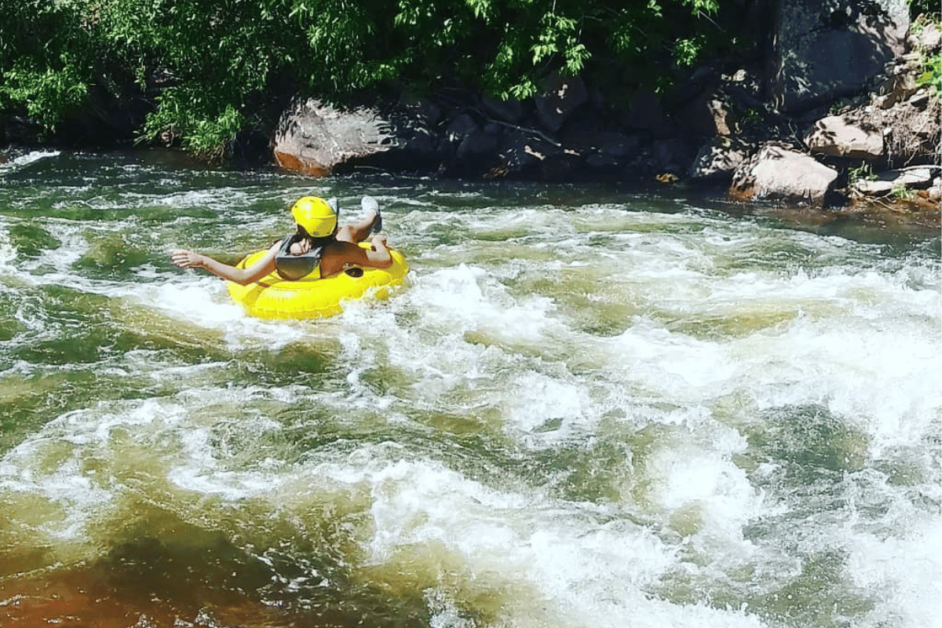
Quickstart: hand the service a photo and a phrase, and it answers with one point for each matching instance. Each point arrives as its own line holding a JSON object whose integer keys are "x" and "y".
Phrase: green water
{"x": 588, "y": 407}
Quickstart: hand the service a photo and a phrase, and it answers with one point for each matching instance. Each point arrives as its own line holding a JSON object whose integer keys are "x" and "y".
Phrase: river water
{"x": 587, "y": 408}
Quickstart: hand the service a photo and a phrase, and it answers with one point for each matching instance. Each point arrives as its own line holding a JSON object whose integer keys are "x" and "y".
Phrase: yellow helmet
{"x": 317, "y": 217}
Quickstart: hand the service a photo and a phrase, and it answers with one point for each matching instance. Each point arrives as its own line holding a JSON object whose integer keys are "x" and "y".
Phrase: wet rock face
{"x": 826, "y": 49}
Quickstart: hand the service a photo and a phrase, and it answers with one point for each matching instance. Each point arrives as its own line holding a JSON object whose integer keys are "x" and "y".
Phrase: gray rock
{"x": 671, "y": 155}
{"x": 930, "y": 39}
{"x": 709, "y": 114}
{"x": 826, "y": 49}
{"x": 468, "y": 141}
{"x": 718, "y": 159}
{"x": 838, "y": 137}
{"x": 476, "y": 144}
{"x": 874, "y": 187}
{"x": 919, "y": 178}
{"x": 460, "y": 127}
{"x": 423, "y": 110}
{"x": 779, "y": 173}
{"x": 315, "y": 138}
{"x": 889, "y": 180}
{"x": 646, "y": 113}
{"x": 602, "y": 161}
{"x": 610, "y": 144}
{"x": 506, "y": 110}
{"x": 935, "y": 192}
{"x": 521, "y": 152}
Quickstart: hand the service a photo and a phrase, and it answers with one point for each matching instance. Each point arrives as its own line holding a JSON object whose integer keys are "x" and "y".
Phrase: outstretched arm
{"x": 241, "y": 276}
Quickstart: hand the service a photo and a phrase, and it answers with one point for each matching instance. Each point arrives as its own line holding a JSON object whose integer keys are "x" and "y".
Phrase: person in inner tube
{"x": 319, "y": 246}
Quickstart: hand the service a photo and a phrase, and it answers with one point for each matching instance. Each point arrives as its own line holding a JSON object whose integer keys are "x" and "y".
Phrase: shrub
{"x": 223, "y": 64}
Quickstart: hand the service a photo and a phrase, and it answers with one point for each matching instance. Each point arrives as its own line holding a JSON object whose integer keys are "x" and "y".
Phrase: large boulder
{"x": 780, "y": 173}
{"x": 467, "y": 146}
{"x": 511, "y": 111}
{"x": 837, "y": 136}
{"x": 602, "y": 149}
{"x": 826, "y": 49}
{"x": 709, "y": 114}
{"x": 315, "y": 138}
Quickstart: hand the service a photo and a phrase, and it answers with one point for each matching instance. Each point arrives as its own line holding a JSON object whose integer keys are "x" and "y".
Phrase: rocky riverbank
{"x": 833, "y": 113}
{"x": 833, "y": 117}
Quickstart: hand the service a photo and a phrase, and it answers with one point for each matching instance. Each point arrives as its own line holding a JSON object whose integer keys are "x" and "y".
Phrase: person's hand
{"x": 381, "y": 239}
{"x": 301, "y": 247}
{"x": 186, "y": 259}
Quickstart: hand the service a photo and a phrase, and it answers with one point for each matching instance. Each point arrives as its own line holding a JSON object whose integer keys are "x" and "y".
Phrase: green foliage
{"x": 863, "y": 172}
{"x": 751, "y": 116}
{"x": 925, "y": 7}
{"x": 932, "y": 76}
{"x": 902, "y": 193}
{"x": 220, "y": 65}
{"x": 218, "y": 56}
{"x": 48, "y": 93}
{"x": 686, "y": 51}
{"x": 46, "y": 56}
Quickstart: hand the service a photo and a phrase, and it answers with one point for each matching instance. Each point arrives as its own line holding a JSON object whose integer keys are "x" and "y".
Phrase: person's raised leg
{"x": 358, "y": 231}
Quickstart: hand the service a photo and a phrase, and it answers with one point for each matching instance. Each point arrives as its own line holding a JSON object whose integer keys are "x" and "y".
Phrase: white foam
{"x": 700, "y": 479}
{"x": 905, "y": 568}
{"x": 23, "y": 161}
{"x": 564, "y": 563}
{"x": 724, "y": 322}
{"x": 55, "y": 465}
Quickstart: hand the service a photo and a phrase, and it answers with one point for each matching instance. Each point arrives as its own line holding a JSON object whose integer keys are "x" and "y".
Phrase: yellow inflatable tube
{"x": 272, "y": 297}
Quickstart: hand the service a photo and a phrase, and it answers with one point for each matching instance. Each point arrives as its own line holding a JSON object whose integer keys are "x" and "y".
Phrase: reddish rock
{"x": 315, "y": 139}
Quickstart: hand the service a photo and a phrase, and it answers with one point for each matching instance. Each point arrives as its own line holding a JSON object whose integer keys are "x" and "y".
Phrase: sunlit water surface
{"x": 587, "y": 408}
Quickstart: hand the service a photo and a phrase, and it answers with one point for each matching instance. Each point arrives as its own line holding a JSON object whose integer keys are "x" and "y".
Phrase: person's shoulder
{"x": 343, "y": 248}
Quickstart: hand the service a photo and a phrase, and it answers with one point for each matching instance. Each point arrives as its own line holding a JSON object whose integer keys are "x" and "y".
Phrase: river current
{"x": 587, "y": 408}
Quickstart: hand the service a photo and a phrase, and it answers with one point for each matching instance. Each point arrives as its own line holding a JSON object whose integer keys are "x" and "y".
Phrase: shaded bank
{"x": 829, "y": 108}
{"x": 743, "y": 124}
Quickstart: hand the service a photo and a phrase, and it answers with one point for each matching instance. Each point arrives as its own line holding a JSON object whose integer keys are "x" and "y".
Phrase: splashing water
{"x": 586, "y": 409}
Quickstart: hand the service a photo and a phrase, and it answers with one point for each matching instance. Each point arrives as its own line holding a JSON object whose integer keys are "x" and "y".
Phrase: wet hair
{"x": 302, "y": 234}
